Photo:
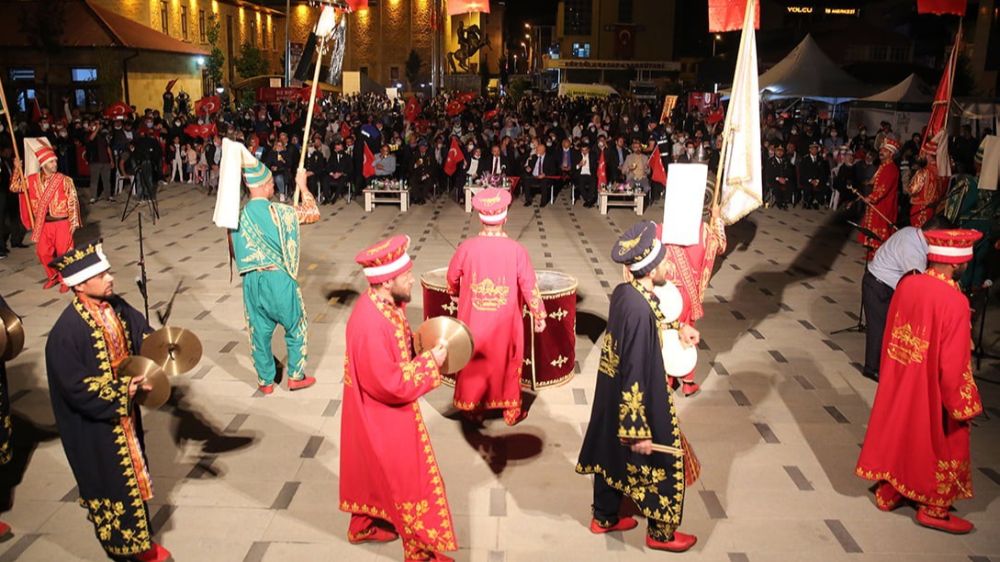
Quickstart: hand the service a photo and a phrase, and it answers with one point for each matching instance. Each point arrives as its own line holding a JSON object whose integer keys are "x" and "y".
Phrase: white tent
{"x": 807, "y": 72}
{"x": 906, "y": 106}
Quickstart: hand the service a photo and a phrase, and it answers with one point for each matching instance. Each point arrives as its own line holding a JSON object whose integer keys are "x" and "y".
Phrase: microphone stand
{"x": 142, "y": 280}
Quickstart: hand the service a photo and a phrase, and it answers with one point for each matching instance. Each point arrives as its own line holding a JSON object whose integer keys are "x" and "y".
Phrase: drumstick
{"x": 677, "y": 451}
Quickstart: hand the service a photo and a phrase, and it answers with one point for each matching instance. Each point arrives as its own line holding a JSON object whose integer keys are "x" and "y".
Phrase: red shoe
{"x": 952, "y": 524}
{"x": 299, "y": 384}
{"x": 887, "y": 498}
{"x": 690, "y": 389}
{"x": 50, "y": 283}
{"x": 373, "y": 534}
{"x": 265, "y": 389}
{"x": 434, "y": 557}
{"x": 5, "y": 531}
{"x": 63, "y": 288}
{"x": 514, "y": 416}
{"x": 155, "y": 554}
{"x": 623, "y": 524}
{"x": 680, "y": 543}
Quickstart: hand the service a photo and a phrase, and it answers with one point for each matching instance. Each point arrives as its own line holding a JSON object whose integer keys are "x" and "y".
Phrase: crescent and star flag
{"x": 602, "y": 170}
{"x": 936, "y": 134}
{"x": 368, "y": 167}
{"x": 355, "y": 5}
{"x": 209, "y": 104}
{"x": 454, "y": 108}
{"x": 741, "y": 181}
{"x": 727, "y": 15}
{"x": 657, "y": 172}
{"x": 455, "y": 155}
{"x": 489, "y": 115}
{"x": 200, "y": 131}
{"x": 117, "y": 109}
{"x": 459, "y": 7}
{"x": 941, "y": 7}
{"x": 412, "y": 109}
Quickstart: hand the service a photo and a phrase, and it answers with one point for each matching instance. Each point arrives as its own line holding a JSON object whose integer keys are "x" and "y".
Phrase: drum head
{"x": 671, "y": 301}
{"x": 553, "y": 283}
{"x": 678, "y": 360}
{"x": 435, "y": 279}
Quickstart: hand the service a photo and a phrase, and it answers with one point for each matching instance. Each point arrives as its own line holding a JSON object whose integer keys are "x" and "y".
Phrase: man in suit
{"x": 496, "y": 164}
{"x": 780, "y": 177}
{"x": 540, "y": 169}
{"x": 338, "y": 169}
{"x": 585, "y": 170}
{"x": 316, "y": 178}
{"x": 813, "y": 176}
{"x": 620, "y": 152}
{"x": 421, "y": 174}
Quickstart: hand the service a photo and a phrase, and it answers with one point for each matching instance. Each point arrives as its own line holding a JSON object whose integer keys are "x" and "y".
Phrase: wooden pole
{"x": 309, "y": 113}
{"x": 17, "y": 174}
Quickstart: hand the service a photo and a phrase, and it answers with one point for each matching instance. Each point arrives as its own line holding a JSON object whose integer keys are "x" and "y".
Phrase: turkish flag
{"x": 200, "y": 131}
{"x": 715, "y": 115}
{"x": 727, "y": 15}
{"x": 412, "y": 109}
{"x": 941, "y": 7}
{"x": 209, "y": 104}
{"x": 602, "y": 171}
{"x": 657, "y": 172}
{"x": 489, "y": 115}
{"x": 356, "y": 5}
{"x": 455, "y": 155}
{"x": 624, "y": 41}
{"x": 466, "y": 97}
{"x": 454, "y": 108}
{"x": 117, "y": 109}
{"x": 368, "y": 167}
{"x": 459, "y": 7}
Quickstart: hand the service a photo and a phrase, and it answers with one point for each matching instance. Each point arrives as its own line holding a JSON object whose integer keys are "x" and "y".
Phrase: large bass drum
{"x": 549, "y": 357}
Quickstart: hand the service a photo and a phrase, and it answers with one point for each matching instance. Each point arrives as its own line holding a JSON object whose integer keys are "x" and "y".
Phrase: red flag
{"x": 715, "y": 116}
{"x": 412, "y": 109}
{"x": 489, "y": 115}
{"x": 624, "y": 41}
{"x": 207, "y": 105}
{"x": 459, "y": 7}
{"x": 466, "y": 97}
{"x": 602, "y": 170}
{"x": 170, "y": 85}
{"x": 727, "y": 15}
{"x": 36, "y": 111}
{"x": 941, "y": 7}
{"x": 454, "y": 108}
{"x": 356, "y": 5}
{"x": 455, "y": 155}
{"x": 368, "y": 168}
{"x": 117, "y": 109}
{"x": 657, "y": 172}
{"x": 935, "y": 143}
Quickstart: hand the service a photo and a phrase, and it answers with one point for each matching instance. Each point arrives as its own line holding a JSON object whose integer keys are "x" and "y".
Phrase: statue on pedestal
{"x": 470, "y": 40}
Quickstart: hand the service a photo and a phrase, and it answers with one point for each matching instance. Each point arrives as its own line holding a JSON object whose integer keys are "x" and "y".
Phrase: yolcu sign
{"x": 805, "y": 10}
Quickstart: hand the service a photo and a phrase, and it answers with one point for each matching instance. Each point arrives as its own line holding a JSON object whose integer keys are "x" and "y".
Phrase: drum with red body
{"x": 549, "y": 357}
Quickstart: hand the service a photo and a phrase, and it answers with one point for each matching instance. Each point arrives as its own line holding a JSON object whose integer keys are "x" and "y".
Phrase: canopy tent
{"x": 906, "y": 106}
{"x": 807, "y": 72}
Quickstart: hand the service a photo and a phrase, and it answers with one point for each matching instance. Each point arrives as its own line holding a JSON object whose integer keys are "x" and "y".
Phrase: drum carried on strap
{"x": 549, "y": 357}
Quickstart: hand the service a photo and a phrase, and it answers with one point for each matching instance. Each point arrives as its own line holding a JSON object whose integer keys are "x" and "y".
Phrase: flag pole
{"x": 727, "y": 129}
{"x": 17, "y": 174}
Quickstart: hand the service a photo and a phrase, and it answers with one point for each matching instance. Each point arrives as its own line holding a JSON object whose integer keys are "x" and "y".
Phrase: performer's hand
{"x": 440, "y": 353}
{"x": 715, "y": 214}
{"x": 135, "y": 384}
{"x": 643, "y": 447}
{"x": 539, "y": 325}
{"x": 300, "y": 179}
{"x": 689, "y": 336}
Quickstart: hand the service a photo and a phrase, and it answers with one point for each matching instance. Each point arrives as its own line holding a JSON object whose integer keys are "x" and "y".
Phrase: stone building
{"x": 102, "y": 51}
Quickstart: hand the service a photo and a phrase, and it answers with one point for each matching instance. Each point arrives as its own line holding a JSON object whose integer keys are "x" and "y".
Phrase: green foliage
{"x": 217, "y": 58}
{"x": 251, "y": 62}
{"x": 517, "y": 88}
{"x": 412, "y": 68}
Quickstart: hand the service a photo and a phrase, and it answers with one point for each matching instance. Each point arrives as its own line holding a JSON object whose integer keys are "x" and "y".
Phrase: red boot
{"x": 373, "y": 534}
{"x": 155, "y": 554}
{"x": 299, "y": 384}
{"x": 623, "y": 524}
{"x": 514, "y": 416}
{"x": 679, "y": 543}
{"x": 949, "y": 523}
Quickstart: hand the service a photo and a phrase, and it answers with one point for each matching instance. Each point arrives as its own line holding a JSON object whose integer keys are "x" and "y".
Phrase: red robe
{"x": 689, "y": 268}
{"x": 387, "y": 465}
{"x": 494, "y": 280}
{"x": 926, "y": 191}
{"x": 918, "y": 433}
{"x": 57, "y": 199}
{"x": 884, "y": 195}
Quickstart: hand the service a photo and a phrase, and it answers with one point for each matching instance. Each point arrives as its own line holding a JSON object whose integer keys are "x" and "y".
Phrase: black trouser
{"x": 783, "y": 195}
{"x": 336, "y": 187}
{"x": 587, "y": 186}
{"x": 318, "y": 184}
{"x": 539, "y": 185}
{"x": 875, "y": 298}
{"x": 419, "y": 190}
{"x": 607, "y": 503}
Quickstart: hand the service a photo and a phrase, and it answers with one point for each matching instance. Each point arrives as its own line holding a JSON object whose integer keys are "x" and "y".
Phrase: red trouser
{"x": 55, "y": 239}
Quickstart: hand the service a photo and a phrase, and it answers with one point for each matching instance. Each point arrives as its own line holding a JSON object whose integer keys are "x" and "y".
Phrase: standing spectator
{"x": 176, "y": 160}
{"x": 100, "y": 159}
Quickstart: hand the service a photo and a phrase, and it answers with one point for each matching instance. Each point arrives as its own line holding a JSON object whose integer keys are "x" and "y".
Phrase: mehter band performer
{"x": 634, "y": 409}
{"x": 265, "y": 246}
{"x": 50, "y": 198}
{"x": 883, "y": 199}
{"x": 390, "y": 482}
{"x": 6, "y": 424}
{"x": 917, "y": 445}
{"x": 99, "y": 423}
{"x": 492, "y": 276}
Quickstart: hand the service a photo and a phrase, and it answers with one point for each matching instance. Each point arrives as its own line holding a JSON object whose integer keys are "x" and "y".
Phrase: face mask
{"x": 635, "y": 129}
{"x": 63, "y": 134}
{"x": 45, "y": 126}
{"x": 149, "y": 124}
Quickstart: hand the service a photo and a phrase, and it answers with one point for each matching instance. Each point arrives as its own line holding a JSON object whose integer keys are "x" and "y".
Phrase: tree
{"x": 412, "y": 68}
{"x": 217, "y": 58}
{"x": 251, "y": 62}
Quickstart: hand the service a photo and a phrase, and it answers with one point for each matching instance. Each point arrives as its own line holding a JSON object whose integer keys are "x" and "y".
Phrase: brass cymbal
{"x": 12, "y": 338}
{"x": 136, "y": 365}
{"x": 457, "y": 337}
{"x": 176, "y": 350}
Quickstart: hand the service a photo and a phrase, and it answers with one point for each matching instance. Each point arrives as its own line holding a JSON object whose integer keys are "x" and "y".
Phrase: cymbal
{"x": 457, "y": 337}
{"x": 176, "y": 350}
{"x": 135, "y": 365}
{"x": 12, "y": 338}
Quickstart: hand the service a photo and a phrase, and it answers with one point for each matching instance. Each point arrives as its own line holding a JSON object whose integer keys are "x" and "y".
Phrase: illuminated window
{"x": 184, "y": 22}
{"x": 581, "y": 50}
{"x": 253, "y": 31}
{"x": 85, "y": 74}
{"x": 164, "y": 17}
{"x": 202, "y": 28}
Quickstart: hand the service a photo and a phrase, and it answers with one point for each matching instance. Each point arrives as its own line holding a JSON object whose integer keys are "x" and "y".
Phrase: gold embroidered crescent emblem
{"x": 627, "y": 245}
